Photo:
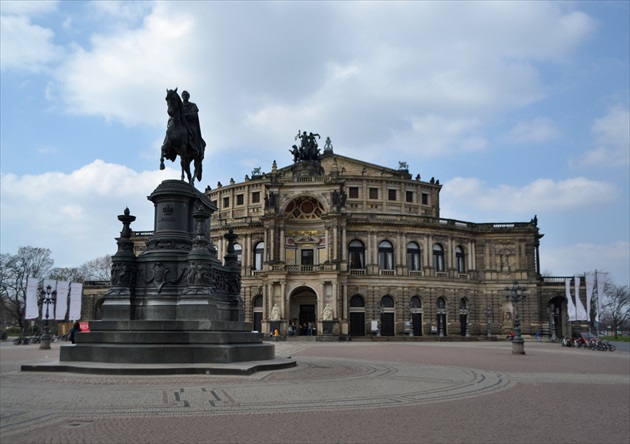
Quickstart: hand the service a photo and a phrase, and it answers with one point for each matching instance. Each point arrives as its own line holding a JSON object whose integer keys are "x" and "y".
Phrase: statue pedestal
{"x": 328, "y": 327}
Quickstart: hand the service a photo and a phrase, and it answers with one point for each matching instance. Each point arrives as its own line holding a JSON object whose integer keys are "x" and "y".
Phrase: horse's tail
{"x": 198, "y": 169}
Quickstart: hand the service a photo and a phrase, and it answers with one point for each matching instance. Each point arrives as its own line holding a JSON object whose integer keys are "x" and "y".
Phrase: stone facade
{"x": 369, "y": 242}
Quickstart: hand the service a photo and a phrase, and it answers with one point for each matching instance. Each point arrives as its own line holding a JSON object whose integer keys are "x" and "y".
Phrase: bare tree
{"x": 99, "y": 269}
{"x": 14, "y": 272}
{"x": 69, "y": 274}
{"x": 616, "y": 307}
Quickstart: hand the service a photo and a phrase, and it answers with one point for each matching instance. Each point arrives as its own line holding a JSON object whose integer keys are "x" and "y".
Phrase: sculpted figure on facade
{"x": 275, "y": 313}
{"x": 327, "y": 315}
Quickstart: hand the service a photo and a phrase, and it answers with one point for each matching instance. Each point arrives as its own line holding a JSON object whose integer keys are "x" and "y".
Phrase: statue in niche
{"x": 275, "y": 313}
{"x": 327, "y": 315}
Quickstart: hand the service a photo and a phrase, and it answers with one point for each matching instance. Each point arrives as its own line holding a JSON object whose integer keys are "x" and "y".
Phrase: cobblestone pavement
{"x": 339, "y": 392}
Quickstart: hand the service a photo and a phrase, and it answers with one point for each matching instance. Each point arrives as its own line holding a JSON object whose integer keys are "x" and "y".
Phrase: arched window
{"x": 463, "y": 304}
{"x": 413, "y": 256}
{"x": 356, "y": 255}
{"x": 259, "y": 254}
{"x": 415, "y": 302}
{"x": 438, "y": 257}
{"x": 239, "y": 253}
{"x": 460, "y": 260}
{"x": 387, "y": 301}
{"x": 357, "y": 301}
{"x": 385, "y": 256}
{"x": 258, "y": 300}
{"x": 441, "y": 303}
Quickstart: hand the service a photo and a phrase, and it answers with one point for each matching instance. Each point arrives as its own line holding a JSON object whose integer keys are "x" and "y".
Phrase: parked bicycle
{"x": 22, "y": 340}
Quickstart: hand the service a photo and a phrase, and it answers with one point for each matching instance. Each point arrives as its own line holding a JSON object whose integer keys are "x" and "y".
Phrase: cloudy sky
{"x": 518, "y": 108}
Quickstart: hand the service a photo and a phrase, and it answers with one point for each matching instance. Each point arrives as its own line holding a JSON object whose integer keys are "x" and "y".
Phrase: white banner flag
{"x": 31, "y": 310}
{"x": 62, "y": 300}
{"x": 601, "y": 282}
{"x": 581, "y": 313}
{"x": 570, "y": 305}
{"x": 76, "y": 290}
{"x": 589, "y": 280}
{"x": 51, "y": 307}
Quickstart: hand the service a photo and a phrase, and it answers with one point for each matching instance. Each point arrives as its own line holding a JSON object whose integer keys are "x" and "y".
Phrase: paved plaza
{"x": 363, "y": 392}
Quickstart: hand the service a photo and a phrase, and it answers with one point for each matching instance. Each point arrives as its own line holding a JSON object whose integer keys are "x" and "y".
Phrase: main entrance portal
{"x": 303, "y": 310}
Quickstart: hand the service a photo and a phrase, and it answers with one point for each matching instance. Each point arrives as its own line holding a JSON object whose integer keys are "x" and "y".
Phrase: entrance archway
{"x": 258, "y": 313}
{"x": 555, "y": 316}
{"x": 387, "y": 316}
{"x": 357, "y": 315}
{"x": 303, "y": 310}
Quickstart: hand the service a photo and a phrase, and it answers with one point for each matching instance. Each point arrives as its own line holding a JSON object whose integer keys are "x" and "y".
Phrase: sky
{"x": 518, "y": 108}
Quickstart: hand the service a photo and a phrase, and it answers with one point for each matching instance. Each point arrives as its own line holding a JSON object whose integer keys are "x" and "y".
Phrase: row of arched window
{"x": 356, "y": 256}
{"x": 357, "y": 301}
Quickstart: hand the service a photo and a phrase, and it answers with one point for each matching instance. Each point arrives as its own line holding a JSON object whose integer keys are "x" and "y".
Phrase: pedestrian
{"x": 75, "y": 328}
{"x": 538, "y": 338}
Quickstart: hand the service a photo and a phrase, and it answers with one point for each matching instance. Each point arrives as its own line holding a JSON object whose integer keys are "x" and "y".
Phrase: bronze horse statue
{"x": 182, "y": 138}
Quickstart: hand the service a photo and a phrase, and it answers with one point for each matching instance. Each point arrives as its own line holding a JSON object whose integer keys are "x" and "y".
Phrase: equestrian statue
{"x": 183, "y": 135}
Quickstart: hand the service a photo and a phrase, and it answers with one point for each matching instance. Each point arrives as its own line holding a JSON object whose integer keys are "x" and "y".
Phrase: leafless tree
{"x": 15, "y": 269}
{"x": 616, "y": 307}
{"x": 99, "y": 269}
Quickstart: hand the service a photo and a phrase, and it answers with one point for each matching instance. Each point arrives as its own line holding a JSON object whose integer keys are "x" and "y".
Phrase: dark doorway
{"x": 387, "y": 324}
{"x": 357, "y": 324}
{"x": 307, "y": 314}
{"x": 417, "y": 323}
{"x": 258, "y": 321}
{"x": 463, "y": 320}
{"x": 441, "y": 322}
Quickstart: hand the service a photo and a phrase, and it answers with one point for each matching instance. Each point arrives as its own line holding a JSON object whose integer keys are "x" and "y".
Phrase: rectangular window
{"x": 373, "y": 193}
{"x": 226, "y": 202}
{"x": 256, "y": 197}
{"x": 409, "y": 196}
{"x": 391, "y": 194}
{"x": 239, "y": 199}
{"x": 215, "y": 204}
{"x": 353, "y": 192}
{"x": 425, "y": 199}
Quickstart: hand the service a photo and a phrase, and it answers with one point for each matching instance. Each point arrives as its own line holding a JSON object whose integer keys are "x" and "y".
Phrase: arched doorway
{"x": 303, "y": 304}
{"x": 555, "y": 316}
{"x": 387, "y": 316}
{"x": 257, "y": 313}
{"x": 416, "y": 315}
{"x": 441, "y": 316}
{"x": 357, "y": 315}
{"x": 463, "y": 316}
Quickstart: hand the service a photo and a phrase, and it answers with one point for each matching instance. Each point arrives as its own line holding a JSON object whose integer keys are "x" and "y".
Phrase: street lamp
{"x": 468, "y": 315}
{"x": 488, "y": 314}
{"x": 378, "y": 321}
{"x": 516, "y": 294}
{"x": 49, "y": 296}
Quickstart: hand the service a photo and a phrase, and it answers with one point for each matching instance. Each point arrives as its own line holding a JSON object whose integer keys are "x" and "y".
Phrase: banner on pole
{"x": 589, "y": 281}
{"x": 581, "y": 312}
{"x": 31, "y": 310}
{"x": 76, "y": 291}
{"x": 62, "y": 300}
{"x": 601, "y": 282}
{"x": 570, "y": 305}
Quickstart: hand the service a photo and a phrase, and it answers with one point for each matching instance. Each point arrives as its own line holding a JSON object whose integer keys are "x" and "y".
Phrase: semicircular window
{"x": 304, "y": 208}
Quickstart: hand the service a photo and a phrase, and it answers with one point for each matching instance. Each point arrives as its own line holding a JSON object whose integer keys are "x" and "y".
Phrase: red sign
{"x": 85, "y": 326}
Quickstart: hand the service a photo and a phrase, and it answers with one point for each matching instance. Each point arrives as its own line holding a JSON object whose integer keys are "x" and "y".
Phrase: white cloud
{"x": 25, "y": 46}
{"x": 464, "y": 196}
{"x": 578, "y": 258}
{"x": 400, "y": 65}
{"x": 612, "y": 138}
{"x": 31, "y": 8}
{"x": 537, "y": 130}
{"x": 75, "y": 215}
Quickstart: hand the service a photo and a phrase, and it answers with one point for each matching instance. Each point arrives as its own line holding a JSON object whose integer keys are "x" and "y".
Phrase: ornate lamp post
{"x": 516, "y": 294}
{"x": 488, "y": 315}
{"x": 378, "y": 321}
{"x": 552, "y": 316}
{"x": 49, "y": 296}
{"x": 468, "y": 315}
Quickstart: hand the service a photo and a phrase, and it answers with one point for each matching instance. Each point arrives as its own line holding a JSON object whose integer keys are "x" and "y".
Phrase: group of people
{"x": 306, "y": 329}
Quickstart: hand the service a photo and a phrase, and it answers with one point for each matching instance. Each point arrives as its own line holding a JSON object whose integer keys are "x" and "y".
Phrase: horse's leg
{"x": 181, "y": 162}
